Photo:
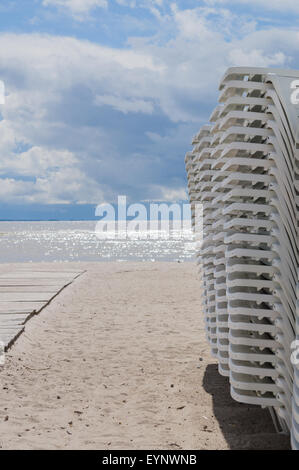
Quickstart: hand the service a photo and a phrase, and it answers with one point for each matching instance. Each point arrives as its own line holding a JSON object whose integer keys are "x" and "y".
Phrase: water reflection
{"x": 77, "y": 241}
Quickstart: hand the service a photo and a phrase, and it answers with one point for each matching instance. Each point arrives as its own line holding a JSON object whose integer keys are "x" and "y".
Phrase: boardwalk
{"x": 24, "y": 292}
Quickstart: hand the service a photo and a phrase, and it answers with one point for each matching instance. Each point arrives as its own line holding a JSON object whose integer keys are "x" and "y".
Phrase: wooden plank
{"x": 14, "y": 319}
{"x": 9, "y": 338}
{"x": 53, "y": 283}
{"x": 41, "y": 275}
{"x": 10, "y": 328}
{"x": 25, "y": 297}
{"x": 24, "y": 293}
{"x": 15, "y": 311}
{"x": 27, "y": 289}
{"x": 8, "y": 318}
{"x": 7, "y": 307}
{"x": 13, "y": 327}
{"x": 7, "y": 331}
{"x": 46, "y": 271}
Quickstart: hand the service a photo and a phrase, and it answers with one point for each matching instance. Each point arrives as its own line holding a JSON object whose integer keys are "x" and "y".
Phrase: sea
{"x": 60, "y": 241}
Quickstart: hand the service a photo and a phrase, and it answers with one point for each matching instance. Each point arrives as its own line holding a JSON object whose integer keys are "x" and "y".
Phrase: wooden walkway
{"x": 25, "y": 292}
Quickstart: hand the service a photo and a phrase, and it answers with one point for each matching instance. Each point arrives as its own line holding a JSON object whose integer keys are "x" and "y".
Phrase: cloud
{"x": 125, "y": 105}
{"x": 53, "y": 177}
{"x": 37, "y": 162}
{"x": 79, "y": 9}
{"x": 286, "y": 6}
{"x": 85, "y": 122}
{"x": 60, "y": 188}
{"x": 163, "y": 193}
{"x": 127, "y": 3}
{"x": 56, "y": 88}
{"x": 141, "y": 3}
{"x": 155, "y": 7}
{"x": 256, "y": 58}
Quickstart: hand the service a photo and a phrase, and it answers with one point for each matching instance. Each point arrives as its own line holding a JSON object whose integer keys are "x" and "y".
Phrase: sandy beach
{"x": 119, "y": 360}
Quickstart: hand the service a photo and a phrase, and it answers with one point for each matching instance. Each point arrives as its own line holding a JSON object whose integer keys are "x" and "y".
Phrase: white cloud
{"x": 141, "y": 3}
{"x": 60, "y": 188}
{"x": 37, "y": 161}
{"x": 12, "y": 190}
{"x": 79, "y": 9}
{"x": 127, "y": 3}
{"x": 83, "y": 122}
{"x": 54, "y": 178}
{"x": 192, "y": 24}
{"x": 256, "y": 58}
{"x": 163, "y": 193}
{"x": 125, "y": 105}
{"x": 154, "y": 6}
{"x": 67, "y": 185}
{"x": 286, "y": 6}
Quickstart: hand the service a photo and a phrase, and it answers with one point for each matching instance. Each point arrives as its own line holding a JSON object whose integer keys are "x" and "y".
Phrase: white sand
{"x": 119, "y": 361}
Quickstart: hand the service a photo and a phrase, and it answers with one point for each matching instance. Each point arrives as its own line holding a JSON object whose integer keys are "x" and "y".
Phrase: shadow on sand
{"x": 243, "y": 426}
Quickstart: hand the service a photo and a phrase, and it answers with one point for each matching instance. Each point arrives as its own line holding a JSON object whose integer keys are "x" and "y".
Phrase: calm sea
{"x": 77, "y": 241}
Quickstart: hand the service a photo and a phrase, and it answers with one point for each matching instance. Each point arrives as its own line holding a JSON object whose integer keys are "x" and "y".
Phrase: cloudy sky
{"x": 103, "y": 96}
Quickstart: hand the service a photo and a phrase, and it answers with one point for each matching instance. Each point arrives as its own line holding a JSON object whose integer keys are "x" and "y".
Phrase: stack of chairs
{"x": 244, "y": 172}
{"x": 295, "y": 417}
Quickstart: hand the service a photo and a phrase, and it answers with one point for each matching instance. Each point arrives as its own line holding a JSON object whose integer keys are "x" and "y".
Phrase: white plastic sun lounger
{"x": 244, "y": 169}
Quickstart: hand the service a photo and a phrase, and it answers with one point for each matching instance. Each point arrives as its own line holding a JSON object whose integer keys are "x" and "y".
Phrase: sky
{"x": 103, "y": 96}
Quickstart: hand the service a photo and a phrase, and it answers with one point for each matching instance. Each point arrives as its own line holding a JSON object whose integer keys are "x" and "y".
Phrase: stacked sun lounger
{"x": 244, "y": 171}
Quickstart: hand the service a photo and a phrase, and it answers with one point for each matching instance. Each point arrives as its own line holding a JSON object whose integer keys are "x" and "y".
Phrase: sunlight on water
{"x": 77, "y": 241}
